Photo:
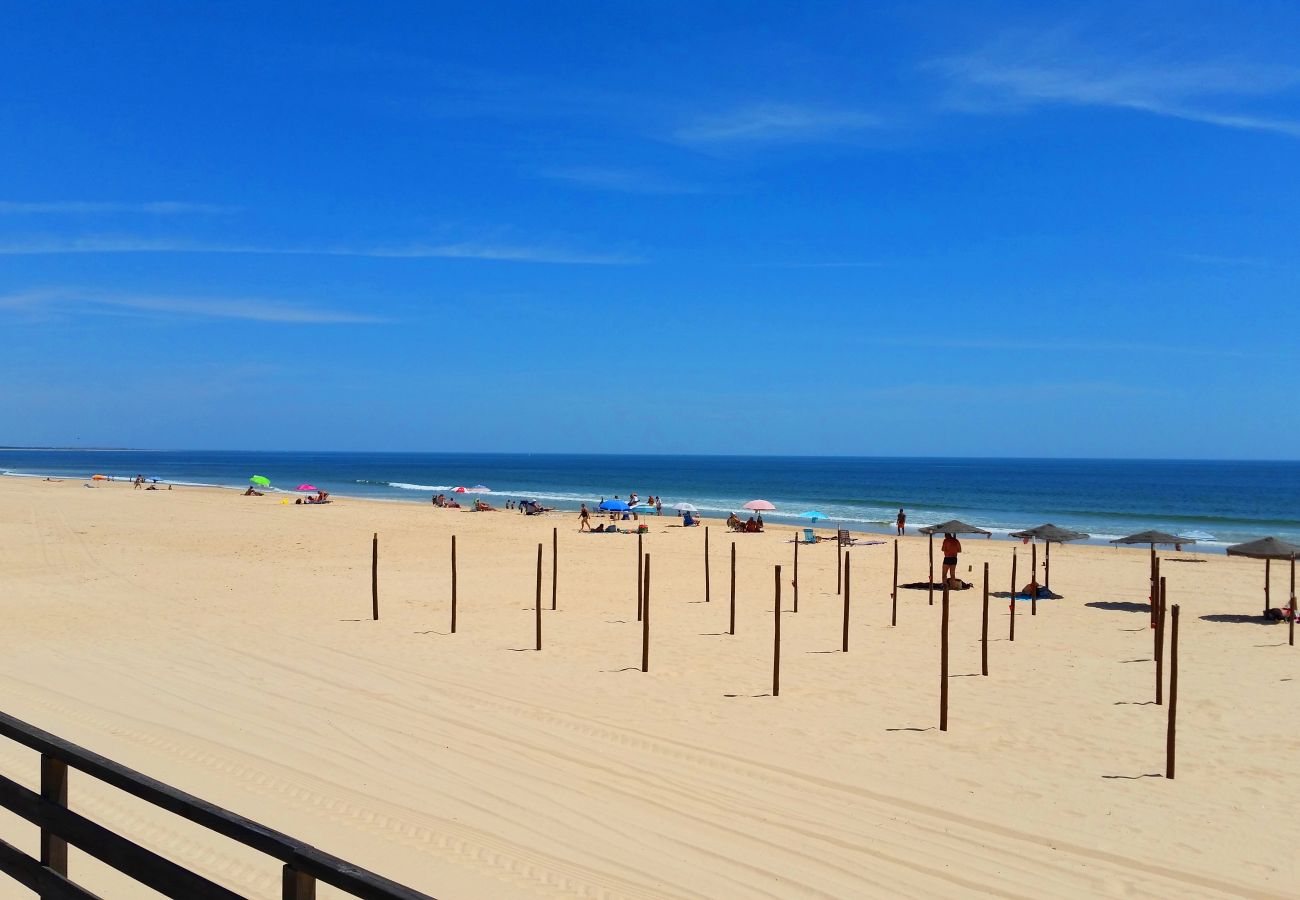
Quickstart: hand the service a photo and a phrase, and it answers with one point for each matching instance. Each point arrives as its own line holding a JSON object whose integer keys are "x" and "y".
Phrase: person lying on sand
{"x": 1278, "y": 614}
{"x": 480, "y": 506}
{"x": 252, "y": 493}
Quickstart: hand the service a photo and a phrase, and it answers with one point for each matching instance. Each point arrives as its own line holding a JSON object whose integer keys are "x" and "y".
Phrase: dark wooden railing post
{"x": 848, "y": 573}
{"x": 295, "y": 885}
{"x": 984, "y": 626}
{"x": 54, "y": 787}
{"x": 640, "y": 568}
{"x": 794, "y": 581}
{"x": 1013, "y": 593}
{"x": 893, "y": 595}
{"x": 555, "y": 564}
{"x": 839, "y": 565}
{"x": 776, "y": 639}
{"x": 538, "y": 602}
{"x": 1160, "y": 647}
{"x": 1033, "y": 578}
{"x": 707, "y": 586}
{"x": 453, "y": 584}
{"x": 931, "y": 585}
{"x": 645, "y": 617}
{"x": 731, "y": 629}
{"x": 943, "y": 663}
{"x": 374, "y": 577}
{"x": 1173, "y": 692}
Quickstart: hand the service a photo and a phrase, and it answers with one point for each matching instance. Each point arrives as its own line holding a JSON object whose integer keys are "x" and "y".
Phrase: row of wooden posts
{"x": 843, "y": 586}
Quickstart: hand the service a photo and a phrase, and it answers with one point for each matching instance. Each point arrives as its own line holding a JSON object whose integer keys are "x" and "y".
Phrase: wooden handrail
{"x": 303, "y": 863}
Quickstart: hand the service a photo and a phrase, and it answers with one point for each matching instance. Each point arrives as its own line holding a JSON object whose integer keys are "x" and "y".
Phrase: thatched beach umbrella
{"x": 1049, "y": 534}
{"x": 1268, "y": 549}
{"x": 1151, "y": 538}
{"x": 952, "y": 526}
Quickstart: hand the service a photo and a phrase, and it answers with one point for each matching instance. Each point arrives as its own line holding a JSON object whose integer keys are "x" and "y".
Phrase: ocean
{"x": 1215, "y": 502}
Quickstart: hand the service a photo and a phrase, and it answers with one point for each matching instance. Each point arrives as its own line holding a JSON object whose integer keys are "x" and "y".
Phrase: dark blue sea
{"x": 1214, "y": 502}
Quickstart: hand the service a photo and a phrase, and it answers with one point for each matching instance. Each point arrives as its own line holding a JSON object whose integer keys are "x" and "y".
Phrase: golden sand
{"x": 224, "y": 644}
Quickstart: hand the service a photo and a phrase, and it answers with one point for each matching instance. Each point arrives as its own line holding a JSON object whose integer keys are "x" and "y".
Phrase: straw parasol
{"x": 952, "y": 526}
{"x": 1151, "y": 538}
{"x": 1049, "y": 534}
{"x": 1268, "y": 549}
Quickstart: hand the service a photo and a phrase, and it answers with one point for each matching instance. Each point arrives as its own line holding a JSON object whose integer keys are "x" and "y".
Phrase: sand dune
{"x": 224, "y": 644}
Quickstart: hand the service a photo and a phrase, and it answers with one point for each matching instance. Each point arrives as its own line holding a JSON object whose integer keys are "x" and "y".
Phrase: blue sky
{"x": 921, "y": 228}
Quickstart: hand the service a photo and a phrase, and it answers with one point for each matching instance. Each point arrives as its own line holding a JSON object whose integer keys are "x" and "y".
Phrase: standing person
{"x": 659, "y": 506}
{"x": 902, "y": 520}
{"x": 584, "y": 519}
{"x": 951, "y": 547}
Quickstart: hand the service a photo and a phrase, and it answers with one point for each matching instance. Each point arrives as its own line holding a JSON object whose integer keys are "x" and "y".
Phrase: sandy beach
{"x": 224, "y": 644}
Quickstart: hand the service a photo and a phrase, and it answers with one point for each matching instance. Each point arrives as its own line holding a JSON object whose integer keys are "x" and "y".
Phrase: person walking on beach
{"x": 584, "y": 519}
{"x": 659, "y": 505}
{"x": 902, "y": 521}
{"x": 951, "y": 547}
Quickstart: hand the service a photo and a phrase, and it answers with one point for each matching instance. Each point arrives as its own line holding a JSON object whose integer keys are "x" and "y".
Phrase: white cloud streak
{"x": 481, "y": 250}
{"x": 88, "y": 207}
{"x": 74, "y": 302}
{"x": 776, "y": 123}
{"x": 1024, "y": 71}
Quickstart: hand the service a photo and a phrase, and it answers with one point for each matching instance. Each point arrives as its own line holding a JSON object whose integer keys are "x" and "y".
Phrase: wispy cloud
{"x": 89, "y": 207}
{"x": 484, "y": 250}
{"x": 776, "y": 123}
{"x": 1026, "y": 70}
{"x": 1061, "y": 347}
{"x": 72, "y": 301}
{"x": 627, "y": 181}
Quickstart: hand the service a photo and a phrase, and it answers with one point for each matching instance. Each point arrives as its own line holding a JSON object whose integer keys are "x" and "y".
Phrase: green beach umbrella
{"x": 261, "y": 480}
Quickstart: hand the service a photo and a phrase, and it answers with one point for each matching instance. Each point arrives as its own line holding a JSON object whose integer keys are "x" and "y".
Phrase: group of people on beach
{"x": 752, "y": 525}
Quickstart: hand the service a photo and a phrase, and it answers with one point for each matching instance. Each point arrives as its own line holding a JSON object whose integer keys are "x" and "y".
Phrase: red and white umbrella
{"x": 459, "y": 490}
{"x": 758, "y": 505}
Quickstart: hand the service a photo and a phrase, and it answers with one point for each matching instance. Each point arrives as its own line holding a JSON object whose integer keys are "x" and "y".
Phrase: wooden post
{"x": 1013, "y": 593}
{"x": 1033, "y": 578}
{"x": 776, "y": 639}
{"x": 943, "y": 663}
{"x": 645, "y": 617}
{"x": 1159, "y": 648}
{"x": 1268, "y": 602}
{"x": 539, "y": 597}
{"x": 1173, "y": 694}
{"x": 54, "y": 787}
{"x": 932, "y": 570}
{"x": 1151, "y": 588}
{"x": 794, "y": 582}
{"x": 640, "y": 583}
{"x": 1155, "y": 596}
{"x": 374, "y": 578}
{"x": 847, "y": 575}
{"x": 893, "y": 595}
{"x": 1290, "y": 628}
{"x": 984, "y": 626}
{"x": 731, "y": 629}
{"x": 1047, "y": 565}
{"x": 453, "y": 584}
{"x": 555, "y": 563}
{"x": 295, "y": 885}
{"x": 706, "y": 564}
{"x": 839, "y": 564}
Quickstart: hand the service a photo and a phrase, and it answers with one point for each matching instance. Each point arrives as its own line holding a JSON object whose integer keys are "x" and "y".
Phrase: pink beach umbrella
{"x": 309, "y": 488}
{"x": 759, "y": 505}
{"x": 459, "y": 490}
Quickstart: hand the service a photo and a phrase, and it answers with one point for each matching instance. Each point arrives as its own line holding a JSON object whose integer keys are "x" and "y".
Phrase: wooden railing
{"x": 303, "y": 865}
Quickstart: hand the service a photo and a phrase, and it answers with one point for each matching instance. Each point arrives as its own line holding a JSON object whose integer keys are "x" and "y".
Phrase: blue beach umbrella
{"x": 813, "y": 514}
{"x": 614, "y": 505}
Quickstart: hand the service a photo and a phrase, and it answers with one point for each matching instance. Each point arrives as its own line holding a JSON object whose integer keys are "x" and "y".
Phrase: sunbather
{"x": 734, "y": 523}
